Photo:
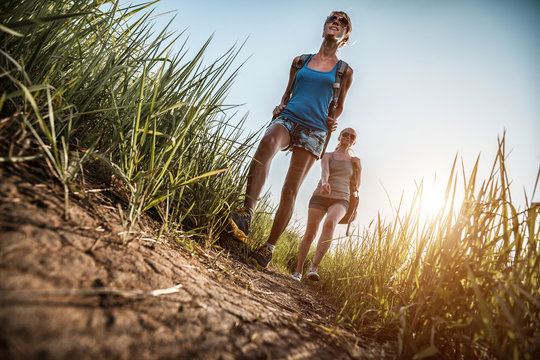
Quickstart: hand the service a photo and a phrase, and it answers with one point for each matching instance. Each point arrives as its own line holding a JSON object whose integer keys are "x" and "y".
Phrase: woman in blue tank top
{"x": 301, "y": 124}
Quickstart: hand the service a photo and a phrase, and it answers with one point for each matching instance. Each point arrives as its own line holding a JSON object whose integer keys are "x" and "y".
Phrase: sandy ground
{"x": 72, "y": 290}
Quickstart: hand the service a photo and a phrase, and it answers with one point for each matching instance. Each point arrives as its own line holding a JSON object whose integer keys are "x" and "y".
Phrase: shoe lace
{"x": 244, "y": 214}
{"x": 265, "y": 252}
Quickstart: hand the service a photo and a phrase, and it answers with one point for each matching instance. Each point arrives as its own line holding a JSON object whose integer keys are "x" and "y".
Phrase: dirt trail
{"x": 55, "y": 274}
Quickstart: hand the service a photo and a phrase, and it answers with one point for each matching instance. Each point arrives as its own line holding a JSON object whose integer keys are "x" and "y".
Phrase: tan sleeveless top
{"x": 339, "y": 179}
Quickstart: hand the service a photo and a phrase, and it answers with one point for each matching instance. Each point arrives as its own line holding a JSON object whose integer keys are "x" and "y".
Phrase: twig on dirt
{"x": 94, "y": 245}
{"x": 17, "y": 294}
{"x": 188, "y": 266}
{"x": 253, "y": 281}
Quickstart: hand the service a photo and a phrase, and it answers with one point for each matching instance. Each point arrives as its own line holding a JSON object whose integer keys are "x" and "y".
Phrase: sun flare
{"x": 432, "y": 200}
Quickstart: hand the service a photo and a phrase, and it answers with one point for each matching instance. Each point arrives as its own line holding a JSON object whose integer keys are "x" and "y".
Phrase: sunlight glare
{"x": 432, "y": 200}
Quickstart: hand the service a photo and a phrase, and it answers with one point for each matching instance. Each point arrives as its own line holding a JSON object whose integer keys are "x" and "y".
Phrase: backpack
{"x": 351, "y": 213}
{"x": 342, "y": 67}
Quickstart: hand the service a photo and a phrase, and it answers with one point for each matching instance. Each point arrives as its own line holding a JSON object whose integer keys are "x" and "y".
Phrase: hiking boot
{"x": 312, "y": 275}
{"x": 261, "y": 257}
{"x": 297, "y": 276}
{"x": 240, "y": 223}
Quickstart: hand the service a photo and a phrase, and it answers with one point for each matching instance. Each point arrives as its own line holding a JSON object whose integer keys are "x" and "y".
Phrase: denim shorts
{"x": 303, "y": 137}
{"x": 323, "y": 202}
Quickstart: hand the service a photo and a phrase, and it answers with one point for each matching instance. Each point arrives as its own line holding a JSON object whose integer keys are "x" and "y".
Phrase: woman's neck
{"x": 342, "y": 149}
{"x": 328, "y": 49}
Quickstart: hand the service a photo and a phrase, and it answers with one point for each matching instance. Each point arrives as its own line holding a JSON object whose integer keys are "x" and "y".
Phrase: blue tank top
{"x": 311, "y": 97}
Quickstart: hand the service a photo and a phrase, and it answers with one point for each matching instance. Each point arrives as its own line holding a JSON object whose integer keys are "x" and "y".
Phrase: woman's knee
{"x": 329, "y": 225}
{"x": 268, "y": 142}
{"x": 273, "y": 141}
{"x": 309, "y": 236}
{"x": 266, "y": 151}
{"x": 288, "y": 193}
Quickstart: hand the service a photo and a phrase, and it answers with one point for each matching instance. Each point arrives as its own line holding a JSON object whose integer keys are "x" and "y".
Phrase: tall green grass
{"x": 461, "y": 284}
{"x": 93, "y": 81}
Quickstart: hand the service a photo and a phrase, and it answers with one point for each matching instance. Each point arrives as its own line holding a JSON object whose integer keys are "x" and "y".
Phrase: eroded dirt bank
{"x": 62, "y": 290}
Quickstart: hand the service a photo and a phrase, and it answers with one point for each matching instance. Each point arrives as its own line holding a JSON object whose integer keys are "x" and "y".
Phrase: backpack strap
{"x": 303, "y": 59}
{"x": 336, "y": 86}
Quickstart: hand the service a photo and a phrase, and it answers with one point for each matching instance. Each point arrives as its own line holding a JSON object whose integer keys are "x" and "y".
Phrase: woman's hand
{"x": 325, "y": 188}
{"x": 278, "y": 109}
{"x": 331, "y": 123}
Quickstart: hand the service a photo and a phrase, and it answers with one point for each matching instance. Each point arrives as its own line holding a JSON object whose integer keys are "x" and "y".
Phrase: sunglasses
{"x": 341, "y": 20}
{"x": 349, "y": 135}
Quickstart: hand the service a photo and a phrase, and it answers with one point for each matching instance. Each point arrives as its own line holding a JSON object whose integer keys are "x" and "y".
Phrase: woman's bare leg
{"x": 314, "y": 219}
{"x": 301, "y": 162}
{"x": 335, "y": 214}
{"x": 275, "y": 139}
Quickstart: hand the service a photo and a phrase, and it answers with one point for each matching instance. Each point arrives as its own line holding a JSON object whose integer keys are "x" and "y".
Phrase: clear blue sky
{"x": 432, "y": 79}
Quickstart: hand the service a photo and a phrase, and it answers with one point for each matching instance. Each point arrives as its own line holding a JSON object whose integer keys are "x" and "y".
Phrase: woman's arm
{"x": 325, "y": 174}
{"x": 347, "y": 82}
{"x": 357, "y": 168}
{"x": 287, "y": 95}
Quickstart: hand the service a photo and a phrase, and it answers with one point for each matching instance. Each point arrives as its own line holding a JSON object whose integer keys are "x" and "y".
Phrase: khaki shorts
{"x": 323, "y": 203}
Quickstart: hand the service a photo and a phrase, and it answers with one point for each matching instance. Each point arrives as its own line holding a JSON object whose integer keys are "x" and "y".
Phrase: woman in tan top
{"x": 330, "y": 198}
